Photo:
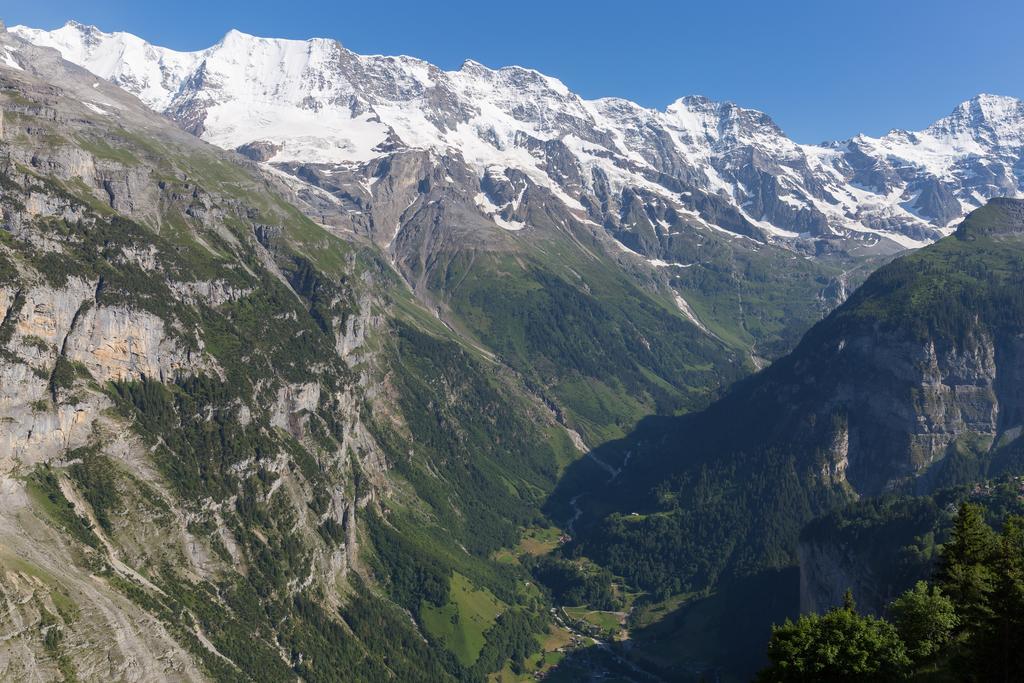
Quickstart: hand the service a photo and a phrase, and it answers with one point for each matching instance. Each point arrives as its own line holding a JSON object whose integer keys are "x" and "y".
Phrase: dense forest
{"x": 965, "y": 624}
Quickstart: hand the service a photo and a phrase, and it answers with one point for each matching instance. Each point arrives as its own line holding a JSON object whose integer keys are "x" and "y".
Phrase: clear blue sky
{"x": 822, "y": 70}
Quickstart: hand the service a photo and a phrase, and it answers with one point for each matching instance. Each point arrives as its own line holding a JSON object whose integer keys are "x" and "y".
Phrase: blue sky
{"x": 822, "y": 70}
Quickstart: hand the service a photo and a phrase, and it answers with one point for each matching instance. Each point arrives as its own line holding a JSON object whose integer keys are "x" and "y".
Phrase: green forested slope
{"x": 233, "y": 428}
{"x": 913, "y": 383}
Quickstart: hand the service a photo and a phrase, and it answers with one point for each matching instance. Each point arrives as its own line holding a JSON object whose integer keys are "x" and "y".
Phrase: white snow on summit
{"x": 315, "y": 102}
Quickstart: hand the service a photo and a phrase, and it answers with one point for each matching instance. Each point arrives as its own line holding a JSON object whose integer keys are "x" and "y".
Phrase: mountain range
{"x": 751, "y": 236}
{"x": 337, "y": 367}
{"x": 308, "y": 107}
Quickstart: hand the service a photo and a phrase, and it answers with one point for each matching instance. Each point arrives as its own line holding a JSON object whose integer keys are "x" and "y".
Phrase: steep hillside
{"x": 427, "y": 163}
{"x": 914, "y": 383}
{"x": 233, "y": 446}
{"x": 880, "y": 547}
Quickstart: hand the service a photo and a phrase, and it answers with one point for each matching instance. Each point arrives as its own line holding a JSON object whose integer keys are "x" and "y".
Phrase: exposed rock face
{"x": 828, "y": 570}
{"x": 906, "y": 402}
{"x": 199, "y": 412}
{"x": 142, "y": 648}
{"x": 292, "y": 402}
{"x": 120, "y": 344}
{"x": 968, "y": 397}
{"x": 905, "y": 370}
{"x": 910, "y": 396}
{"x": 45, "y": 326}
{"x": 260, "y": 150}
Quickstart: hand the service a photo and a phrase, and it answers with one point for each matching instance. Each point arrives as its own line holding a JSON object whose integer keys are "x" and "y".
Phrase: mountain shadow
{"x": 917, "y": 381}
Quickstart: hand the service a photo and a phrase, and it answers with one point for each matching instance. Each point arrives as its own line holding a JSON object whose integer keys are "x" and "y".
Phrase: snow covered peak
{"x": 473, "y": 65}
{"x": 717, "y": 121}
{"x": 315, "y": 102}
{"x": 994, "y": 120}
{"x": 241, "y": 42}
{"x": 152, "y": 73}
{"x": 234, "y": 35}
{"x": 285, "y": 72}
{"x": 986, "y": 127}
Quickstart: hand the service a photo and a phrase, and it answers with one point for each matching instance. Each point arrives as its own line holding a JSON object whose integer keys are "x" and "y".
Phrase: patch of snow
{"x": 96, "y": 108}
{"x": 658, "y": 263}
{"x": 684, "y": 308}
{"x": 7, "y": 57}
{"x": 514, "y": 226}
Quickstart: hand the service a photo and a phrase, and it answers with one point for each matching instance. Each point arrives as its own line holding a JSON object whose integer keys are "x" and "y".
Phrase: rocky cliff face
{"x": 905, "y": 403}
{"x": 913, "y": 383}
{"x": 946, "y": 410}
{"x": 923, "y": 359}
{"x": 48, "y": 327}
{"x": 827, "y": 571}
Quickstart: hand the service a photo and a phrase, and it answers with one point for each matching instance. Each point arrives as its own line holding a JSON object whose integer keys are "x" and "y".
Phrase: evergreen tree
{"x": 998, "y": 655}
{"x": 966, "y": 572}
{"x": 925, "y": 620}
{"x": 968, "y": 625}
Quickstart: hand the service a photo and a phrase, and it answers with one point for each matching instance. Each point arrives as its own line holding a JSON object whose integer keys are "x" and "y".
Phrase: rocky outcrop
{"x": 112, "y": 640}
{"x": 211, "y": 293}
{"x": 907, "y": 402}
{"x": 258, "y": 150}
{"x": 115, "y": 343}
{"x": 45, "y": 327}
{"x": 828, "y": 570}
{"x": 293, "y": 403}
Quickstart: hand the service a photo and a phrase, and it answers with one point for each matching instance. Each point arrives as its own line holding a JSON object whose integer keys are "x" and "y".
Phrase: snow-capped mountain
{"x": 314, "y": 108}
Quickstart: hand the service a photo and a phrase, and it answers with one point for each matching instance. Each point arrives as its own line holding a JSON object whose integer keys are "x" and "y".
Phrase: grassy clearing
{"x": 554, "y": 645}
{"x": 649, "y": 614}
{"x": 606, "y": 621}
{"x": 598, "y": 411}
{"x": 505, "y": 556}
{"x": 102, "y": 150}
{"x": 461, "y": 624}
{"x": 538, "y": 541}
